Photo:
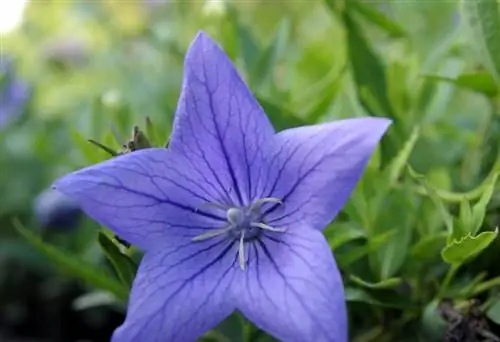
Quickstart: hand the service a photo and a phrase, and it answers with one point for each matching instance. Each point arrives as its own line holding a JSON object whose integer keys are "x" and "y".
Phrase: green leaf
{"x": 151, "y": 133}
{"x": 483, "y": 17}
{"x": 91, "y": 154}
{"x": 324, "y": 92}
{"x": 248, "y": 47}
{"x": 493, "y": 312}
{"x": 429, "y": 247}
{"x": 103, "y": 147}
{"x": 479, "y": 82}
{"x": 399, "y": 162}
{"x": 458, "y": 251}
{"x": 358, "y": 295}
{"x": 479, "y": 209}
{"x": 341, "y": 233}
{"x": 485, "y": 286}
{"x": 280, "y": 117}
{"x": 368, "y": 71}
{"x": 378, "y": 18}
{"x": 388, "y": 283}
{"x": 264, "y": 67}
{"x": 443, "y": 211}
{"x": 465, "y": 216}
{"x": 124, "y": 266}
{"x": 357, "y": 253}
{"x": 71, "y": 265}
{"x": 232, "y": 328}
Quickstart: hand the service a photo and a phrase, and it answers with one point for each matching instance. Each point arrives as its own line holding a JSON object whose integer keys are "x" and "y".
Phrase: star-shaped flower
{"x": 230, "y": 215}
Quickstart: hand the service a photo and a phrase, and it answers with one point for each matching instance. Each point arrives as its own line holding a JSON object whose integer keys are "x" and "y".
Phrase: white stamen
{"x": 241, "y": 251}
{"x": 258, "y": 203}
{"x": 212, "y": 233}
{"x": 266, "y": 227}
{"x": 216, "y": 205}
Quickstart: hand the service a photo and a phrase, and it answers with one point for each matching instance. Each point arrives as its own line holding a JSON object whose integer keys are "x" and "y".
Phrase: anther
{"x": 233, "y": 215}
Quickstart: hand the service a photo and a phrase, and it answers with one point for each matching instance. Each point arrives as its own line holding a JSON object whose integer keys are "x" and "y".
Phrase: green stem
{"x": 457, "y": 197}
{"x": 447, "y": 279}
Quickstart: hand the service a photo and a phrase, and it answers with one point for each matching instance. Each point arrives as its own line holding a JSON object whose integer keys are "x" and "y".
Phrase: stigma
{"x": 244, "y": 224}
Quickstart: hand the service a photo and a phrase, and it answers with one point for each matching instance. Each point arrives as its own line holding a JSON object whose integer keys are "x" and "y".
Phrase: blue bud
{"x": 54, "y": 210}
{"x": 14, "y": 93}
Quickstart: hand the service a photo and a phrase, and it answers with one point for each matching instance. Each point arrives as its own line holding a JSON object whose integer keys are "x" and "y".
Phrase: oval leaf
{"x": 467, "y": 247}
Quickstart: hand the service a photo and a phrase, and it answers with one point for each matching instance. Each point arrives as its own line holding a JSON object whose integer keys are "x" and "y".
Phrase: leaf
{"x": 467, "y": 247}
{"x": 368, "y": 71}
{"x": 357, "y": 253}
{"x": 398, "y": 163}
{"x": 151, "y": 133}
{"x": 378, "y": 18}
{"x": 485, "y": 286}
{"x": 103, "y": 147}
{"x": 483, "y": 17}
{"x": 232, "y": 328}
{"x": 493, "y": 312}
{"x": 341, "y": 233}
{"x": 89, "y": 152}
{"x": 479, "y": 82}
{"x": 388, "y": 283}
{"x": 396, "y": 216}
{"x": 428, "y": 247}
{"x": 70, "y": 264}
{"x": 266, "y": 62}
{"x": 248, "y": 48}
{"x": 443, "y": 211}
{"x": 124, "y": 266}
{"x": 465, "y": 217}
{"x": 325, "y": 92}
{"x": 280, "y": 117}
{"x": 448, "y": 220}
{"x": 361, "y": 296}
{"x": 479, "y": 209}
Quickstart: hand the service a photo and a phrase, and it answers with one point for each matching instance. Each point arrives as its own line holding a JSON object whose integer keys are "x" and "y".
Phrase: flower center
{"x": 244, "y": 224}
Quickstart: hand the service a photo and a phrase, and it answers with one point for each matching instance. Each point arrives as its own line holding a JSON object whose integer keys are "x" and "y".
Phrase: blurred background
{"x": 76, "y": 70}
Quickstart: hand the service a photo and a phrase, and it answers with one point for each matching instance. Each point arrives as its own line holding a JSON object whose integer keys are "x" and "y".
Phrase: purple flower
{"x": 230, "y": 215}
{"x": 13, "y": 94}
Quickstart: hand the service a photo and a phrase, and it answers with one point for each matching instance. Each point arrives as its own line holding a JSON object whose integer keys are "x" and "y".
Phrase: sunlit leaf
{"x": 378, "y": 18}
{"x": 388, "y": 283}
{"x": 480, "y": 82}
{"x": 483, "y": 17}
{"x": 399, "y": 162}
{"x": 458, "y": 251}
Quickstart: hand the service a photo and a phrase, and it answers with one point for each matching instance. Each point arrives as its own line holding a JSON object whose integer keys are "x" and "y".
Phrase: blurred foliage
{"x": 417, "y": 242}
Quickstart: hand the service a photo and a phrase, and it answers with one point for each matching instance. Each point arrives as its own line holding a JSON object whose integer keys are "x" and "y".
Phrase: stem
{"x": 457, "y": 197}
{"x": 447, "y": 279}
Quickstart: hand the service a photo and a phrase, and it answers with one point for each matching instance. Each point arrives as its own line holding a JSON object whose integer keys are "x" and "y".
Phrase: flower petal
{"x": 218, "y": 123}
{"x": 180, "y": 292}
{"x": 147, "y": 197}
{"x": 315, "y": 169}
{"x": 292, "y": 288}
